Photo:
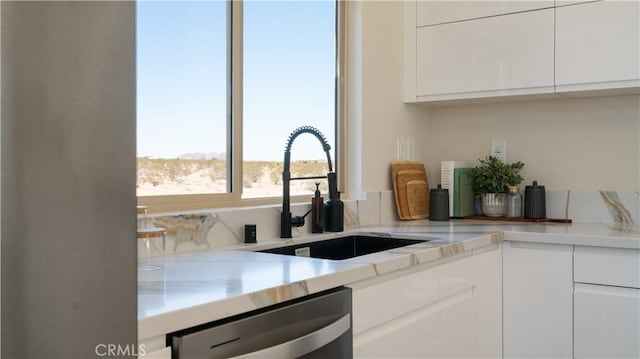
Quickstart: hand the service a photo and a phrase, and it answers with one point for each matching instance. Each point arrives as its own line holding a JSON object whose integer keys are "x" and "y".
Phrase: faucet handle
{"x": 298, "y": 221}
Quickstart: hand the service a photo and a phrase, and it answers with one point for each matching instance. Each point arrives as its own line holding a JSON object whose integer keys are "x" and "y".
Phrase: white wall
{"x": 381, "y": 115}
{"x": 576, "y": 144}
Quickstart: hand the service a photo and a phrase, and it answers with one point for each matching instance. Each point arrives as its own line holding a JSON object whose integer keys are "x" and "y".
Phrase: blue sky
{"x": 288, "y": 77}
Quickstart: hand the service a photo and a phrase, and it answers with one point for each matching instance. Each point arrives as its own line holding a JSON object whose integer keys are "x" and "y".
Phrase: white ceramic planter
{"x": 494, "y": 204}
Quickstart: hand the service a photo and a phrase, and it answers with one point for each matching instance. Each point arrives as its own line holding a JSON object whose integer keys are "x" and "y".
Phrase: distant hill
{"x": 203, "y": 156}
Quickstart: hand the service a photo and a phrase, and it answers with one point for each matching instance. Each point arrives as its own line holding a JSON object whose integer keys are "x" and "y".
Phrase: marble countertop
{"x": 197, "y": 287}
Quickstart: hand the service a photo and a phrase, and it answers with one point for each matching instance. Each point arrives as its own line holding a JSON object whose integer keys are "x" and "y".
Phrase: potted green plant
{"x": 490, "y": 181}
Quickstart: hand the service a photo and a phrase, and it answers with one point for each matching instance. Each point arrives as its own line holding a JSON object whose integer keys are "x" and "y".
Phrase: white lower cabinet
{"x": 562, "y": 301}
{"x": 606, "y": 302}
{"x": 537, "y": 300}
{"x": 452, "y": 310}
{"x": 489, "y": 305}
{"x": 607, "y": 321}
{"x": 415, "y": 334}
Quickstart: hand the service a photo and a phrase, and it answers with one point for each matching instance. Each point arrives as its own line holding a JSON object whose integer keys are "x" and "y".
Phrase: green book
{"x": 462, "y": 192}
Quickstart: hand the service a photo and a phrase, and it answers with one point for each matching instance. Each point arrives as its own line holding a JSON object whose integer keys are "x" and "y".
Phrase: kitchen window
{"x": 220, "y": 86}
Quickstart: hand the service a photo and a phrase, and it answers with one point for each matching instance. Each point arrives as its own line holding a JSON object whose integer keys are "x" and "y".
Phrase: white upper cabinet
{"x": 438, "y": 12}
{"x": 597, "y": 46}
{"x": 466, "y": 50}
{"x": 493, "y": 56}
{"x": 572, "y": 2}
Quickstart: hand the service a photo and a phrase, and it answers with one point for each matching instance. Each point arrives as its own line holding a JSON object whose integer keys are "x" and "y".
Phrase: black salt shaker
{"x": 534, "y": 202}
{"x": 439, "y": 204}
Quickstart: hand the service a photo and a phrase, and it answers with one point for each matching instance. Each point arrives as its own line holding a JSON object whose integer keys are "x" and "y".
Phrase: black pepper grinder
{"x": 534, "y": 202}
{"x": 439, "y": 204}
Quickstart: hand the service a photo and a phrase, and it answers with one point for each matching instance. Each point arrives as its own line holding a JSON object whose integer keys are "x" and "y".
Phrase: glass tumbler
{"x": 151, "y": 242}
{"x": 514, "y": 202}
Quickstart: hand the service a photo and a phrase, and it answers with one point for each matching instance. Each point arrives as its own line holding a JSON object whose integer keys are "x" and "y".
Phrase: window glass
{"x": 183, "y": 125}
{"x": 181, "y": 97}
{"x": 289, "y": 81}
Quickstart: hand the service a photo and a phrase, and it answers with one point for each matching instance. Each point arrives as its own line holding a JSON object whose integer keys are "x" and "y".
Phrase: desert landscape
{"x": 159, "y": 176}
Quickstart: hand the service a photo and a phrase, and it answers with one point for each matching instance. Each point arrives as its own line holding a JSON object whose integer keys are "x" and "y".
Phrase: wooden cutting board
{"x": 410, "y": 189}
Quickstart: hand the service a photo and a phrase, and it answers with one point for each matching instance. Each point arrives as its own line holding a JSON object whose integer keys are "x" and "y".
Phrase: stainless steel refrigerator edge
{"x": 68, "y": 251}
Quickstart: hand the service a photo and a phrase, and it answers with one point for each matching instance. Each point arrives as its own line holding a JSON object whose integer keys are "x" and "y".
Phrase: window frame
{"x": 233, "y": 197}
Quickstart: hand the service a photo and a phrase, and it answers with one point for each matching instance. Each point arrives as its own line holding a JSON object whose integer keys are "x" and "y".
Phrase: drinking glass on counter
{"x": 514, "y": 202}
{"x": 151, "y": 242}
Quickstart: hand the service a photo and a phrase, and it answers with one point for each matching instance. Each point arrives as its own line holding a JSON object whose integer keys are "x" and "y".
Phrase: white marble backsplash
{"x": 594, "y": 206}
{"x": 224, "y": 227}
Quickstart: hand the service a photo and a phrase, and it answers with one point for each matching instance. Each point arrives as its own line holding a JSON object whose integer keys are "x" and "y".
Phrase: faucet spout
{"x": 287, "y": 221}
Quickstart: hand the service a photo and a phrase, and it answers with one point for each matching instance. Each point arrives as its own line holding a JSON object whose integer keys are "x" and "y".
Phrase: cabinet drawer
{"x": 381, "y": 302}
{"x": 607, "y": 266}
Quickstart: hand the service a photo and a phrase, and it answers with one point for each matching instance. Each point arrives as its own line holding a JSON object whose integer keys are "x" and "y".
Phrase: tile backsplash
{"x": 224, "y": 227}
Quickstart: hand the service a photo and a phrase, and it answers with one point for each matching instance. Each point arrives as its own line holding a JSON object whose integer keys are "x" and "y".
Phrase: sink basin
{"x": 343, "y": 248}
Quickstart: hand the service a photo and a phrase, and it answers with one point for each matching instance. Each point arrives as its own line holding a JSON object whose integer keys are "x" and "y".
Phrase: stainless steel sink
{"x": 343, "y": 248}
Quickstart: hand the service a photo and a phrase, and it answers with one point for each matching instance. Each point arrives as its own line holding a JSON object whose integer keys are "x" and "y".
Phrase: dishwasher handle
{"x": 304, "y": 344}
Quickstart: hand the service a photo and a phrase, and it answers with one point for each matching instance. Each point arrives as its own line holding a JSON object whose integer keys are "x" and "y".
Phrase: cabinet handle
{"x": 304, "y": 344}
{"x": 607, "y": 290}
{"x": 544, "y": 246}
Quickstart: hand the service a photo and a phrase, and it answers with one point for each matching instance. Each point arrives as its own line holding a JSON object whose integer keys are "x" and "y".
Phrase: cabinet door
{"x": 489, "y": 309}
{"x": 436, "y": 12}
{"x": 440, "y": 330}
{"x": 607, "y": 322}
{"x": 457, "y": 327}
{"x": 400, "y": 317}
{"x": 409, "y": 293}
{"x": 494, "y": 56}
{"x": 537, "y": 300}
{"x": 452, "y": 310}
{"x": 597, "y": 46}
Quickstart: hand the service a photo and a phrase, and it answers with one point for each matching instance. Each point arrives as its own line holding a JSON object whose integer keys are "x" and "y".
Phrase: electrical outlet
{"x": 499, "y": 149}
{"x": 303, "y": 252}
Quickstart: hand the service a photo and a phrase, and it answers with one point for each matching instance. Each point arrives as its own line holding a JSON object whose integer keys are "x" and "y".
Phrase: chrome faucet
{"x": 286, "y": 219}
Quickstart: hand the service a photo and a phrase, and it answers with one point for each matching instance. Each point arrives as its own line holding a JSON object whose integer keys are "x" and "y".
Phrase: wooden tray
{"x": 410, "y": 189}
{"x": 522, "y": 219}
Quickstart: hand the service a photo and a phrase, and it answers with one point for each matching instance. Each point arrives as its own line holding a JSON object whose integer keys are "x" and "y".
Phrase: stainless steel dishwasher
{"x": 316, "y": 326}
